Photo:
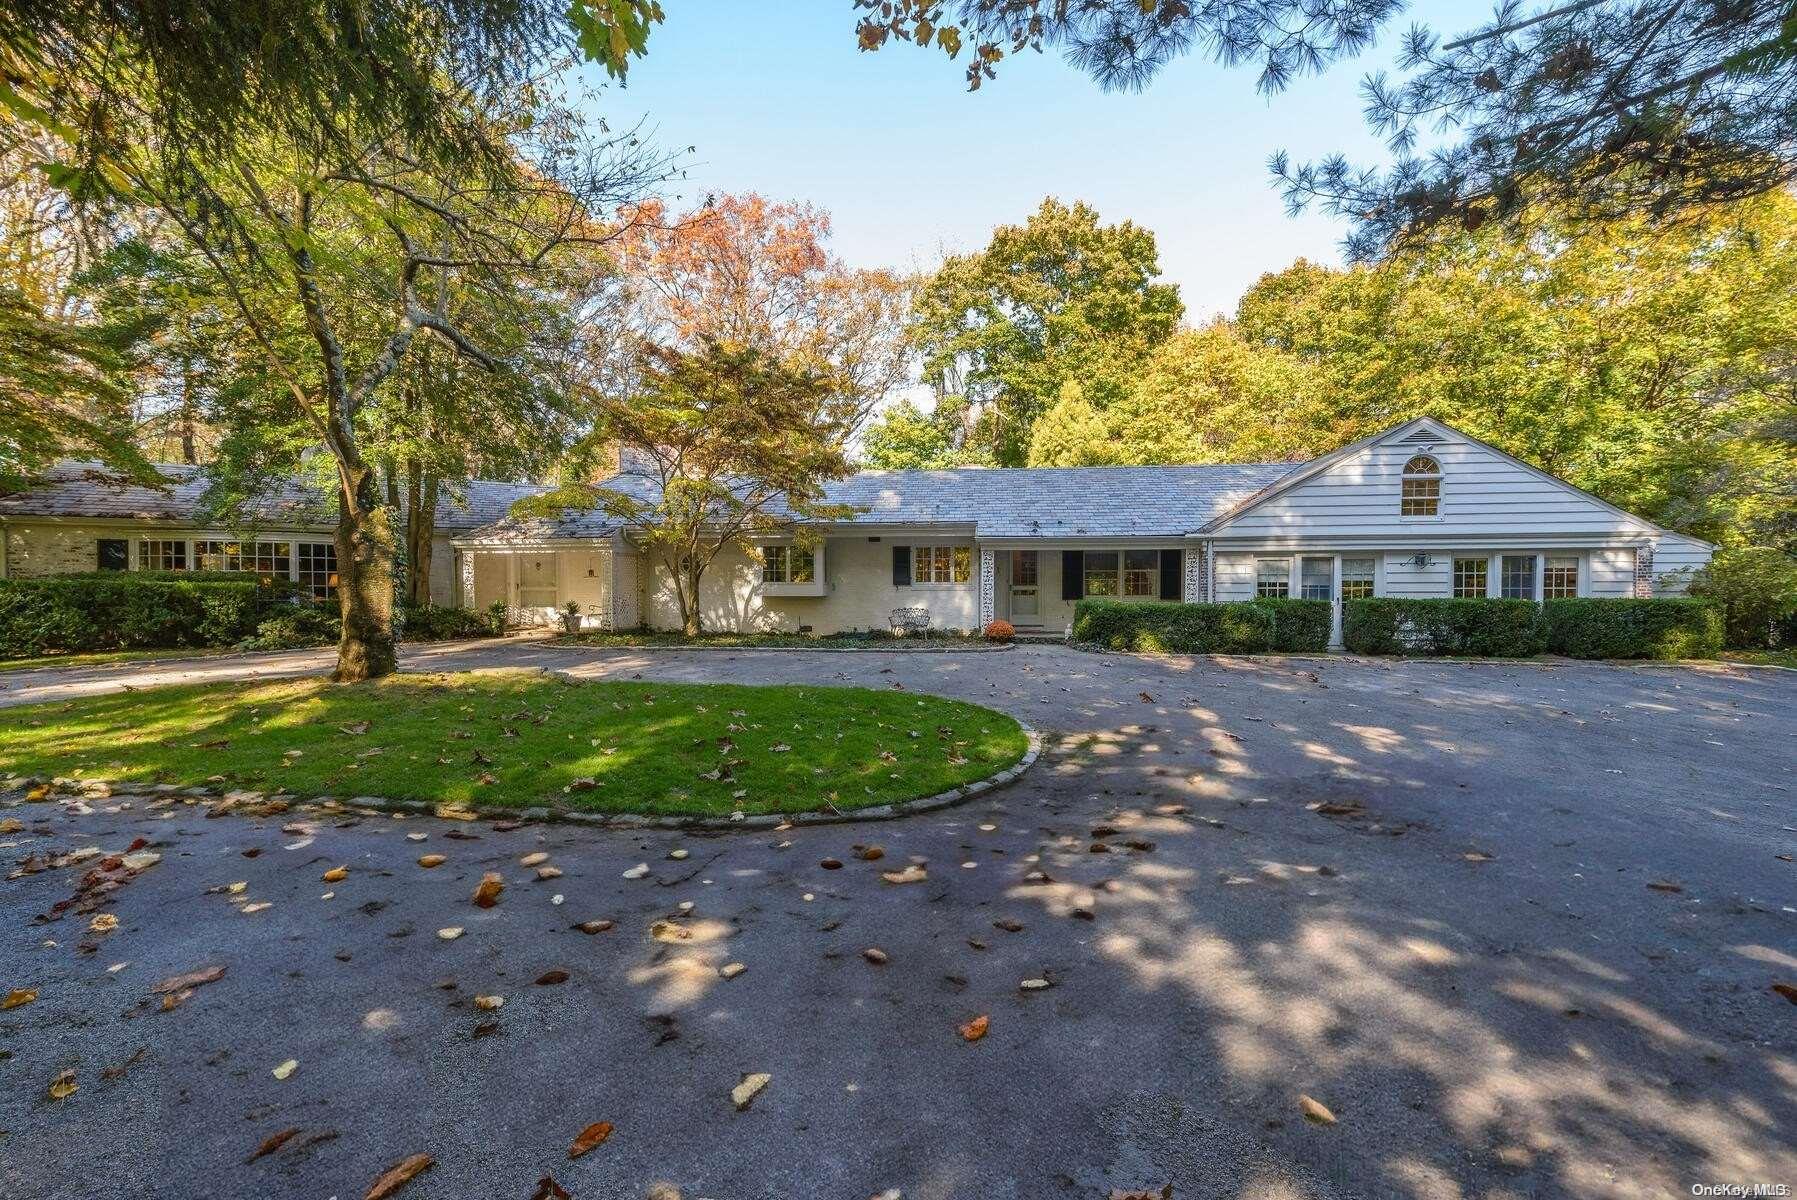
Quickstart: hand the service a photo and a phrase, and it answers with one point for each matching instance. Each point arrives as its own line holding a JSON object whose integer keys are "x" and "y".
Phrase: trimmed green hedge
{"x": 1486, "y": 628}
{"x": 123, "y": 610}
{"x": 1253, "y": 627}
{"x": 1595, "y": 628}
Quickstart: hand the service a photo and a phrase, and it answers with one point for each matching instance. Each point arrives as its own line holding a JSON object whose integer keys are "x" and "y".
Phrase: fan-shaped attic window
{"x": 1421, "y": 495}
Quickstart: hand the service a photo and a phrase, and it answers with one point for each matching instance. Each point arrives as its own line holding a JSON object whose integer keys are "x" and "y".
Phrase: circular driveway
{"x": 1515, "y": 926}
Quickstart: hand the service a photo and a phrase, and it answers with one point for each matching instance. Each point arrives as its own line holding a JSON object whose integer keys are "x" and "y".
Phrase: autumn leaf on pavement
{"x": 593, "y": 1135}
{"x": 486, "y": 895}
{"x": 398, "y": 1175}
{"x": 1165, "y": 1193}
{"x": 63, "y": 1086}
{"x": 18, "y": 996}
{"x": 1787, "y": 990}
{"x": 190, "y": 980}
{"x": 975, "y": 1029}
{"x": 1315, "y": 1112}
{"x": 549, "y": 1189}
{"x": 335, "y": 875}
{"x": 272, "y": 1142}
{"x": 911, "y": 874}
{"x": 744, "y": 1093}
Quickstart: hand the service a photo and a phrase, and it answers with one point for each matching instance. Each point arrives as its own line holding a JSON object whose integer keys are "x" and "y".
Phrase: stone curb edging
{"x": 757, "y": 822}
{"x": 1543, "y": 662}
{"x": 975, "y": 648}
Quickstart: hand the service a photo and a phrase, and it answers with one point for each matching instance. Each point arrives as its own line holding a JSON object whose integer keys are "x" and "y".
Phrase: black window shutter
{"x": 114, "y": 554}
{"x": 1073, "y": 574}
{"x": 1173, "y": 564}
{"x": 901, "y": 566}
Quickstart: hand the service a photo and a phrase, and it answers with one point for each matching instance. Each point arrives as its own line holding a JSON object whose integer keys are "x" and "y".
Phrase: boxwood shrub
{"x": 122, "y": 610}
{"x": 1489, "y": 628}
{"x": 1620, "y": 628}
{"x": 1254, "y": 627}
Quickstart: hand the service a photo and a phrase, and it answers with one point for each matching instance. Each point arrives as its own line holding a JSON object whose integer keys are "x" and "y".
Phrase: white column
{"x": 988, "y": 585}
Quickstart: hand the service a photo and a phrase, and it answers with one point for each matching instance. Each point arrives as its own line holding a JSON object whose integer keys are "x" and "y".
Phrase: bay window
{"x": 788, "y": 564}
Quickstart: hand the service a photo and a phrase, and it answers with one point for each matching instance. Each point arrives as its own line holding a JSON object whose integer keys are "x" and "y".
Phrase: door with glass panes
{"x": 1337, "y": 579}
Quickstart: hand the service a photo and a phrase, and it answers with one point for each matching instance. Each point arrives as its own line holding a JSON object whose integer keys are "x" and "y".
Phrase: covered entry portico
{"x": 537, "y": 579}
{"x": 1036, "y": 584}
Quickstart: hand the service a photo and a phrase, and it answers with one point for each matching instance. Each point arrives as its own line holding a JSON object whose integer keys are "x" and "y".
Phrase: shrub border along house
{"x": 149, "y": 610}
{"x": 1250, "y": 627}
{"x": 1590, "y": 628}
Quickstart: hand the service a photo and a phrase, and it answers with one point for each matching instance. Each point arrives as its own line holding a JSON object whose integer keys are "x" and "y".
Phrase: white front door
{"x": 1025, "y": 600}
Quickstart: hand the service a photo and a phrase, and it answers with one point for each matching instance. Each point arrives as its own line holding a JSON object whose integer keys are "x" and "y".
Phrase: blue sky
{"x": 776, "y": 98}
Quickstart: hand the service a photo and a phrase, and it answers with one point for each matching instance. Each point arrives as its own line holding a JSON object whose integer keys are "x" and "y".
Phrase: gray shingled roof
{"x": 1037, "y": 502}
{"x": 86, "y": 489}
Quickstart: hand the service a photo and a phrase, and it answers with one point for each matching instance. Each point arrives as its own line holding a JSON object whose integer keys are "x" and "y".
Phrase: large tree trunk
{"x": 690, "y": 623}
{"x": 364, "y": 580}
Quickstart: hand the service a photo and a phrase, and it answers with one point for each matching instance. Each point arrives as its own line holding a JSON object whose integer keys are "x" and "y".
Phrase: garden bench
{"x": 910, "y": 620}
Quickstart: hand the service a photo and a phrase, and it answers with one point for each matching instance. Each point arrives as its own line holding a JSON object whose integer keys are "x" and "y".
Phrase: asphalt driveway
{"x": 1516, "y": 927}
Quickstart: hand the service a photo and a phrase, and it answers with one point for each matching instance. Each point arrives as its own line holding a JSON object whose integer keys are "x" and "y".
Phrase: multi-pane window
{"x": 941, "y": 564}
{"x": 1141, "y": 572}
{"x": 1560, "y": 578}
{"x": 263, "y": 558}
{"x": 788, "y": 564}
{"x": 1421, "y": 494}
{"x": 1023, "y": 568}
{"x": 161, "y": 554}
{"x": 1273, "y": 577}
{"x": 1357, "y": 578}
{"x": 1516, "y": 577}
{"x": 1101, "y": 572}
{"x": 1471, "y": 578}
{"x": 1315, "y": 577}
{"x": 318, "y": 568}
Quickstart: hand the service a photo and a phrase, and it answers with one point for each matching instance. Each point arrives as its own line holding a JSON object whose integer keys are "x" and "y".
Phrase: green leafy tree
{"x": 905, "y": 438}
{"x": 1072, "y": 433}
{"x": 1756, "y": 588}
{"x": 1059, "y": 297}
{"x": 719, "y": 445}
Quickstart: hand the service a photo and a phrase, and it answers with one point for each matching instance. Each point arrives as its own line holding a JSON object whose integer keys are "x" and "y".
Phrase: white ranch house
{"x": 1420, "y": 510}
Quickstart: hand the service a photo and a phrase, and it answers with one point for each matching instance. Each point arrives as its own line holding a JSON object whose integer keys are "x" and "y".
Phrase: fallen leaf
{"x": 593, "y": 1135}
{"x": 876, "y": 956}
{"x": 1788, "y": 991}
{"x": 549, "y": 1189}
{"x": 431, "y": 860}
{"x": 553, "y": 976}
{"x": 533, "y": 858}
{"x": 192, "y": 979}
{"x": 744, "y": 1093}
{"x": 1166, "y": 1193}
{"x": 591, "y": 927}
{"x": 398, "y": 1176}
{"x": 488, "y": 1003}
{"x": 914, "y": 873}
{"x": 869, "y": 853}
{"x": 731, "y": 970}
{"x": 272, "y": 1142}
{"x": 549, "y": 872}
{"x": 637, "y": 872}
{"x": 486, "y": 895}
{"x": 18, "y": 996}
{"x": 103, "y": 923}
{"x": 1315, "y": 1112}
{"x": 450, "y": 933}
{"x": 1665, "y": 885}
{"x": 285, "y": 1069}
{"x": 975, "y": 1029}
{"x": 1034, "y": 985}
{"x": 334, "y": 875}
{"x": 63, "y": 1086}
{"x": 831, "y": 864}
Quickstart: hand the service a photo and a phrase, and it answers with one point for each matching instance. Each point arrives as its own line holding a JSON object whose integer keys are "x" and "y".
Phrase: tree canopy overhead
{"x": 1602, "y": 108}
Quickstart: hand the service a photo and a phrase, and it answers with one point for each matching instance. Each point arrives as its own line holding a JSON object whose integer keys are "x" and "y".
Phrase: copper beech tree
{"x": 715, "y": 447}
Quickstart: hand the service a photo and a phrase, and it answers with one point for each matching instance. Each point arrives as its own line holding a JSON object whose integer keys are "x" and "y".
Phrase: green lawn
{"x": 519, "y": 738}
{"x": 751, "y": 641}
{"x": 1765, "y": 658}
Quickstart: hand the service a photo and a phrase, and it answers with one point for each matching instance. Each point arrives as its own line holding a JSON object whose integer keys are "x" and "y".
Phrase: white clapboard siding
{"x": 1675, "y": 558}
{"x": 1483, "y": 493}
{"x": 1612, "y": 572}
{"x": 1408, "y": 581}
{"x": 1235, "y": 577}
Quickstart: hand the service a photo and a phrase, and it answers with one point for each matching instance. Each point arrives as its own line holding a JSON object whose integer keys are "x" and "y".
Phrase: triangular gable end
{"x": 1354, "y": 490}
